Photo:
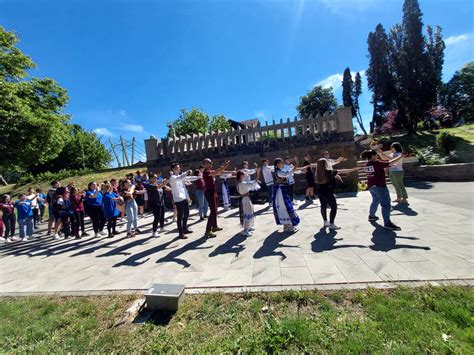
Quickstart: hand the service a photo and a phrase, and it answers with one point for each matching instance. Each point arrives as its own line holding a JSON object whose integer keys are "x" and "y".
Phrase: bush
{"x": 362, "y": 186}
{"x": 446, "y": 142}
{"x": 428, "y": 156}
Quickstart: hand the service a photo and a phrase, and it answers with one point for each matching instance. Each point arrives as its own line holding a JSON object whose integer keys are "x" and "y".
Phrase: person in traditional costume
{"x": 243, "y": 188}
{"x": 283, "y": 209}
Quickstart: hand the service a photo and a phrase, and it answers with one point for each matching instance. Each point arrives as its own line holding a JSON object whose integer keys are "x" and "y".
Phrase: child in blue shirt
{"x": 25, "y": 217}
{"x": 109, "y": 206}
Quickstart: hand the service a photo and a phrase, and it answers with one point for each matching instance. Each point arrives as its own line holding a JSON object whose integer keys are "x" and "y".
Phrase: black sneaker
{"x": 392, "y": 226}
{"x": 182, "y": 236}
{"x": 187, "y": 231}
{"x": 217, "y": 229}
{"x": 373, "y": 218}
{"x": 85, "y": 234}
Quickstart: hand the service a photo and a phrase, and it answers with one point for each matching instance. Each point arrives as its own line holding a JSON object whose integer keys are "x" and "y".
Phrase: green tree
{"x": 458, "y": 94}
{"x": 219, "y": 123}
{"x": 82, "y": 150}
{"x": 347, "y": 90}
{"x": 31, "y": 111}
{"x": 436, "y": 47}
{"x": 190, "y": 122}
{"x": 379, "y": 77}
{"x": 355, "y": 99}
{"x": 318, "y": 100}
{"x": 413, "y": 72}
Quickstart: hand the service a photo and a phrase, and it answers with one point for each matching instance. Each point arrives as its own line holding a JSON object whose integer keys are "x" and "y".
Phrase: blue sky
{"x": 130, "y": 66}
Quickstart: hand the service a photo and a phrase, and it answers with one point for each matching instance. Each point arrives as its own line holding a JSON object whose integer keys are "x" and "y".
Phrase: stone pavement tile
{"x": 470, "y": 260}
{"x": 359, "y": 272}
{"x": 242, "y": 261}
{"x": 296, "y": 276}
{"x": 345, "y": 256}
{"x": 460, "y": 273}
{"x": 293, "y": 258}
{"x": 427, "y": 270}
{"x": 321, "y": 264}
{"x": 184, "y": 278}
{"x": 388, "y": 269}
{"x": 464, "y": 238}
{"x": 406, "y": 255}
{"x": 452, "y": 247}
{"x": 447, "y": 260}
{"x": 328, "y": 277}
{"x": 241, "y": 277}
{"x": 212, "y": 276}
{"x": 266, "y": 273}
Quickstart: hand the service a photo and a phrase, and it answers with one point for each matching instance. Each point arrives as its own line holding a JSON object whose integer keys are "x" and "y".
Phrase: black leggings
{"x": 158, "y": 216}
{"x": 290, "y": 191}
{"x": 97, "y": 218}
{"x": 183, "y": 213}
{"x": 65, "y": 220}
{"x": 327, "y": 198}
{"x": 78, "y": 222}
{"x": 111, "y": 224}
{"x": 9, "y": 221}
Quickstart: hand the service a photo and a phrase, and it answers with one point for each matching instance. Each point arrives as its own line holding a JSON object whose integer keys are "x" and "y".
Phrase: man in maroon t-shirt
{"x": 211, "y": 195}
{"x": 378, "y": 187}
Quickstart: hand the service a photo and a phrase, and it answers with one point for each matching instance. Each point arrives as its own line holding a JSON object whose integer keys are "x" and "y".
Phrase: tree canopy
{"x": 33, "y": 126}
{"x": 197, "y": 121}
{"x": 457, "y": 95}
{"x": 319, "y": 100}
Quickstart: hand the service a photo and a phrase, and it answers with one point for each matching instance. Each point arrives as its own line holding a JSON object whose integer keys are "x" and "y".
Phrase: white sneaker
{"x": 251, "y": 229}
{"x": 25, "y": 239}
{"x": 154, "y": 234}
{"x": 3, "y": 240}
{"x": 56, "y": 237}
{"x": 246, "y": 233}
{"x": 332, "y": 226}
{"x": 9, "y": 240}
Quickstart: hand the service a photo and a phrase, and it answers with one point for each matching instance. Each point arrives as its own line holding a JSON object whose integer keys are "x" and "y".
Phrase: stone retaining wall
{"x": 447, "y": 172}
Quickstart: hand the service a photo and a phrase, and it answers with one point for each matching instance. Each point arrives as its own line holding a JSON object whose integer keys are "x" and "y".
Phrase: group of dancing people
{"x": 113, "y": 200}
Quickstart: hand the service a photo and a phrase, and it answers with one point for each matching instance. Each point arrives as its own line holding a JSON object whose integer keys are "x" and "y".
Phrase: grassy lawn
{"x": 464, "y": 135}
{"x": 401, "y": 320}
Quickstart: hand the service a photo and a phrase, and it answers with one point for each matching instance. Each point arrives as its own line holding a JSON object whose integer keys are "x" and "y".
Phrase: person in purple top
{"x": 25, "y": 217}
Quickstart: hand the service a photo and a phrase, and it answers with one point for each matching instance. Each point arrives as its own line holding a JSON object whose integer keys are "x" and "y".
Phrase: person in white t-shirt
{"x": 396, "y": 172}
{"x": 177, "y": 183}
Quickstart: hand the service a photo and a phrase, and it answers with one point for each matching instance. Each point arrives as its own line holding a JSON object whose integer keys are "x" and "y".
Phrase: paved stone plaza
{"x": 436, "y": 243}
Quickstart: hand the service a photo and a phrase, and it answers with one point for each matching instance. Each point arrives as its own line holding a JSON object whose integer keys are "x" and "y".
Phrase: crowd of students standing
{"x": 129, "y": 198}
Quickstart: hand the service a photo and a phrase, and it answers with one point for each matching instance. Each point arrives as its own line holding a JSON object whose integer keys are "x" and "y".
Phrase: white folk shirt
{"x": 247, "y": 173}
{"x": 267, "y": 174}
{"x": 289, "y": 168}
{"x": 178, "y": 187}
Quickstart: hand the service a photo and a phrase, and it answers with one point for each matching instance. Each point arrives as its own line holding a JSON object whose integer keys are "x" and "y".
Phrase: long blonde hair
{"x": 321, "y": 171}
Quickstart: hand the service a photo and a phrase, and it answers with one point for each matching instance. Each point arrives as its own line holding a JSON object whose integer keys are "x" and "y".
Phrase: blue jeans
{"x": 270, "y": 193}
{"x": 203, "y": 206}
{"x": 380, "y": 195}
{"x": 26, "y": 224}
{"x": 131, "y": 210}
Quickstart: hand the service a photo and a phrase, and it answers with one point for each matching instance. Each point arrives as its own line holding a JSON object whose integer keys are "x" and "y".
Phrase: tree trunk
{"x": 359, "y": 121}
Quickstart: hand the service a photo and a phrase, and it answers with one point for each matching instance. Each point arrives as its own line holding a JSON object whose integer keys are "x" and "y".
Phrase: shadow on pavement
{"x": 386, "y": 240}
{"x": 326, "y": 240}
{"x": 271, "y": 243}
{"x": 172, "y": 257}
{"x": 405, "y": 209}
{"x": 423, "y": 185}
{"x": 231, "y": 246}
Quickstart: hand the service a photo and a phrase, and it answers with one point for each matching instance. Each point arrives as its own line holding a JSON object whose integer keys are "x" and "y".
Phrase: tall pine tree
{"x": 379, "y": 77}
{"x": 355, "y": 100}
{"x": 436, "y": 48}
{"x": 413, "y": 72}
{"x": 347, "y": 90}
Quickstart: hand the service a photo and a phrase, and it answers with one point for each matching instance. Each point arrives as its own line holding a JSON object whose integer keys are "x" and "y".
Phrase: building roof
{"x": 254, "y": 122}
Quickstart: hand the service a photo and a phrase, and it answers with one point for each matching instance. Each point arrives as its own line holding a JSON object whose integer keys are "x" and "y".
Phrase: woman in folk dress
{"x": 244, "y": 188}
{"x": 283, "y": 209}
{"x": 225, "y": 190}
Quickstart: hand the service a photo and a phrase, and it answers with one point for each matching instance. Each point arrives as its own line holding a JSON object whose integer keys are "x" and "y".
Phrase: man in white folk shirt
{"x": 267, "y": 172}
{"x": 177, "y": 184}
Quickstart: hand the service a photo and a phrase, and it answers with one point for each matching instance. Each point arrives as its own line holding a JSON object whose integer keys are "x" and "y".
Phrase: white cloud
{"x": 456, "y": 39}
{"x": 123, "y": 113}
{"x": 335, "y": 80}
{"x": 131, "y": 128}
{"x": 259, "y": 114}
{"x": 103, "y": 132}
